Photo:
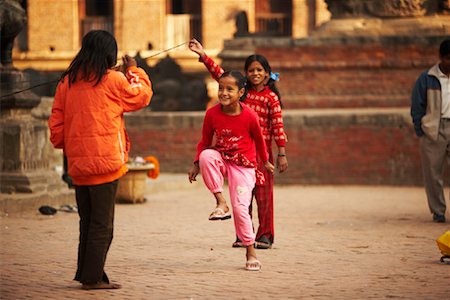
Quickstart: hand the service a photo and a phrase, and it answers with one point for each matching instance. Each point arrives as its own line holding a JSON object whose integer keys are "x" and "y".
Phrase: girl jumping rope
{"x": 264, "y": 98}
{"x": 87, "y": 123}
{"x": 233, "y": 156}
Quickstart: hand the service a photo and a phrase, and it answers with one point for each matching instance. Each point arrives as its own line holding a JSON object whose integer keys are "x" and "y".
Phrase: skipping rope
{"x": 56, "y": 80}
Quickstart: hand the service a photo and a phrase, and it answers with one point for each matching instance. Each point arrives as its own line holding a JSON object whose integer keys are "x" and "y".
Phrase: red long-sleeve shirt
{"x": 239, "y": 134}
{"x": 265, "y": 103}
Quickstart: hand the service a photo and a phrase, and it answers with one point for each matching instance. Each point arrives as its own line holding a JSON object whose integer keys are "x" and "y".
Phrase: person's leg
{"x": 213, "y": 171}
{"x": 446, "y": 134}
{"x": 433, "y": 154}
{"x": 241, "y": 181}
{"x": 238, "y": 243}
{"x": 264, "y": 201}
{"x": 84, "y": 211}
{"x": 99, "y": 236}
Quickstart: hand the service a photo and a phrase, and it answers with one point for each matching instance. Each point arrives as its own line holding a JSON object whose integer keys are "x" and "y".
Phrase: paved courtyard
{"x": 332, "y": 242}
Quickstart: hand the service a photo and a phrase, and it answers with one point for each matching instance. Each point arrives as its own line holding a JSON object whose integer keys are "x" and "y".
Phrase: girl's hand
{"x": 269, "y": 167}
{"x": 282, "y": 164}
{"x": 128, "y": 61}
{"x": 193, "y": 172}
{"x": 196, "y": 47}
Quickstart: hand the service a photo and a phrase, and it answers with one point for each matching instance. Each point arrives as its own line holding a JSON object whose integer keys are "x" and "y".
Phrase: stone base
{"x": 23, "y": 203}
{"x": 13, "y": 81}
{"x": 29, "y": 182}
{"x": 417, "y": 26}
{"x": 27, "y": 191}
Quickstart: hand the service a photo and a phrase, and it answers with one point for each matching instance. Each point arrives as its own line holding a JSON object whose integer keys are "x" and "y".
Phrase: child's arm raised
{"x": 196, "y": 47}
{"x": 214, "y": 69}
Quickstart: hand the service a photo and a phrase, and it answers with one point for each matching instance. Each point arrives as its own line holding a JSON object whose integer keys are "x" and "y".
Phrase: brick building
{"x": 55, "y": 28}
{"x": 345, "y": 86}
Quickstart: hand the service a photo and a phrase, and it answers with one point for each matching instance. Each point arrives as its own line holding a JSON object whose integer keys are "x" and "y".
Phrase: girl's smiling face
{"x": 256, "y": 74}
{"x": 229, "y": 92}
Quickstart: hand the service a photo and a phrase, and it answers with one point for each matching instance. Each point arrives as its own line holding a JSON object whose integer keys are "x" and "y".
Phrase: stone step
{"x": 58, "y": 194}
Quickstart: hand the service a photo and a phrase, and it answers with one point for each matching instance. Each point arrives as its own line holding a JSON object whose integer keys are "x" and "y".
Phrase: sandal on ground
{"x": 101, "y": 286}
{"x": 219, "y": 214}
{"x": 253, "y": 265}
{"x": 263, "y": 243}
{"x": 238, "y": 244}
{"x": 68, "y": 208}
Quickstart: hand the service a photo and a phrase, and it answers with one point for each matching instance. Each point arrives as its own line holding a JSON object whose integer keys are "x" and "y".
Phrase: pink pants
{"x": 241, "y": 181}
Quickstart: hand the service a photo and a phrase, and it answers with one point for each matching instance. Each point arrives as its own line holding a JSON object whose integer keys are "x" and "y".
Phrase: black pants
{"x": 96, "y": 211}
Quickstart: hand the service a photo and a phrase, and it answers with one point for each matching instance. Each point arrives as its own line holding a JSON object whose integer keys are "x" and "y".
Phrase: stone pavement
{"x": 332, "y": 242}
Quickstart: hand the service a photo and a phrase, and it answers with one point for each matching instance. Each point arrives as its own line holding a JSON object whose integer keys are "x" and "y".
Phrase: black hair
{"x": 444, "y": 49}
{"x": 265, "y": 64}
{"x": 98, "y": 53}
{"x": 241, "y": 81}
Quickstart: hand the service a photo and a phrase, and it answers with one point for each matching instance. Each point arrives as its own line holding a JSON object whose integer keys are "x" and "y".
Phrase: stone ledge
{"x": 19, "y": 203}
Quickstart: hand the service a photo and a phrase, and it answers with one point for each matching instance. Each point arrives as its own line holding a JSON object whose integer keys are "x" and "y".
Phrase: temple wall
{"x": 350, "y": 72}
{"x": 339, "y": 146}
{"x": 48, "y": 31}
{"x": 135, "y": 33}
{"x": 218, "y": 20}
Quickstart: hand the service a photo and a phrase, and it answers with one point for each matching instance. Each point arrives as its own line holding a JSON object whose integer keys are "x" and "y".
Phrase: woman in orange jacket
{"x": 87, "y": 123}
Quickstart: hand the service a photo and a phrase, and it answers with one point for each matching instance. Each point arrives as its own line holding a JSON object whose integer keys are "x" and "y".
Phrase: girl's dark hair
{"x": 98, "y": 53}
{"x": 241, "y": 81}
{"x": 265, "y": 64}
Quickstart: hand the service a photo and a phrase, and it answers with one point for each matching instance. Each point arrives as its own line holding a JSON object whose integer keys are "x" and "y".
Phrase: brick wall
{"x": 341, "y": 72}
{"x": 326, "y": 146}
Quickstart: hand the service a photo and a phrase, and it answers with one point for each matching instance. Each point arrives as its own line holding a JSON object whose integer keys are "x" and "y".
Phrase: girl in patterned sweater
{"x": 238, "y": 141}
{"x": 263, "y": 97}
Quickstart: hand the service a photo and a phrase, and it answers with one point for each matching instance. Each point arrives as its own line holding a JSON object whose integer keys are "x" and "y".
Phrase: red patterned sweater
{"x": 236, "y": 136}
{"x": 265, "y": 103}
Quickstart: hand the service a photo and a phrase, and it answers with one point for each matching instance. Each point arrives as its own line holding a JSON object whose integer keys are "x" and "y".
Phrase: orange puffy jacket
{"x": 87, "y": 123}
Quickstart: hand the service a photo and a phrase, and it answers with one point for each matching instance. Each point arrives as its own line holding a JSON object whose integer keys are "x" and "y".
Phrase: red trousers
{"x": 264, "y": 200}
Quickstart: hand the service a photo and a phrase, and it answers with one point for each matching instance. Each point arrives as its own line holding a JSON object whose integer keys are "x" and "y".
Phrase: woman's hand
{"x": 193, "y": 172}
{"x": 269, "y": 167}
{"x": 196, "y": 47}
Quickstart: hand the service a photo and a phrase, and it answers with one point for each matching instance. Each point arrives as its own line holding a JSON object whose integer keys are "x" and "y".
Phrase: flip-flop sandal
{"x": 253, "y": 265}
{"x": 47, "y": 210}
{"x": 219, "y": 214}
{"x": 263, "y": 243}
{"x": 238, "y": 244}
{"x": 68, "y": 208}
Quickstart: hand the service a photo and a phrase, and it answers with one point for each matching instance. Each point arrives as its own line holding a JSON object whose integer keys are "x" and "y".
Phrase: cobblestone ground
{"x": 332, "y": 242}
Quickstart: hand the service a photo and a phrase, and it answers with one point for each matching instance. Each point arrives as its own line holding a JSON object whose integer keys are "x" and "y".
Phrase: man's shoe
{"x": 438, "y": 218}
